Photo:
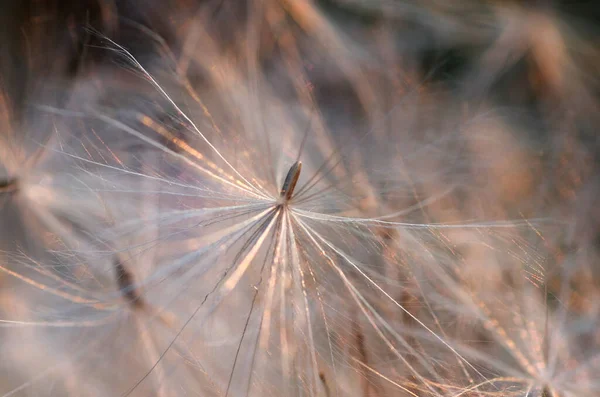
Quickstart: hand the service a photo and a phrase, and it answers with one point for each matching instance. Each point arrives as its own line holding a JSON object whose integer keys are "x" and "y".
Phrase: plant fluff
{"x": 298, "y": 198}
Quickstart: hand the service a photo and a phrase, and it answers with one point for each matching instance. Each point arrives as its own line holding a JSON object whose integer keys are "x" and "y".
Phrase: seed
{"x": 8, "y": 185}
{"x": 290, "y": 181}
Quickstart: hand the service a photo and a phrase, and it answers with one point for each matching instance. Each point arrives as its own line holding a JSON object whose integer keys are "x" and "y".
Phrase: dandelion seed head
{"x": 281, "y": 198}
